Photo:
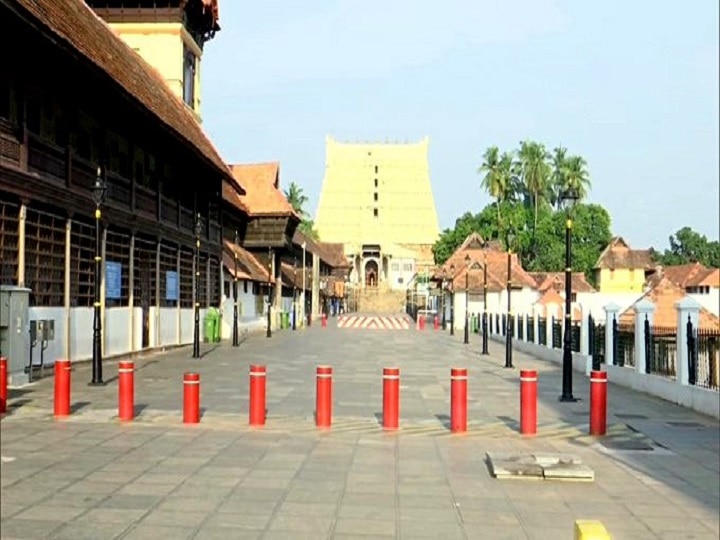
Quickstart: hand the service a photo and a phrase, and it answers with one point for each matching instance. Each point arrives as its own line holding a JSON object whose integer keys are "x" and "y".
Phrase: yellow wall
{"x": 620, "y": 280}
{"x": 405, "y": 205}
{"x": 161, "y": 45}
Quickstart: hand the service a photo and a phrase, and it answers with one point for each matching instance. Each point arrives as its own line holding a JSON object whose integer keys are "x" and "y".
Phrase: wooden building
{"x": 115, "y": 112}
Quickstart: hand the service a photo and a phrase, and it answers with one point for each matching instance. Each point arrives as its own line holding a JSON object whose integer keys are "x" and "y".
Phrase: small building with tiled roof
{"x": 556, "y": 281}
{"x": 665, "y": 295}
{"x": 552, "y": 305}
{"x": 699, "y": 282}
{"x": 621, "y": 269}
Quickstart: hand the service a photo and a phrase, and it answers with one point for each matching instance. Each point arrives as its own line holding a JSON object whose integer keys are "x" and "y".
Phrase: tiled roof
{"x": 74, "y": 23}
{"x": 249, "y": 267}
{"x": 710, "y": 279}
{"x": 556, "y": 280}
{"x": 331, "y": 254}
{"x": 551, "y": 296}
{"x": 665, "y": 294}
{"x": 261, "y": 182}
{"x": 291, "y": 276}
{"x": 233, "y": 193}
{"x": 691, "y": 275}
{"x": 618, "y": 254}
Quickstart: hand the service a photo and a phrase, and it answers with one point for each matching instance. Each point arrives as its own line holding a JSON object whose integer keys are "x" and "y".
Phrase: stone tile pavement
{"x": 89, "y": 476}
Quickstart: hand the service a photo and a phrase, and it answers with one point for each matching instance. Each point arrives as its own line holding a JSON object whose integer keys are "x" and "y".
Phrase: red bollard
{"x": 126, "y": 390}
{"x": 323, "y": 406}
{"x": 324, "y": 320}
{"x": 598, "y": 402}
{"x": 528, "y": 402}
{"x": 3, "y": 385}
{"x": 191, "y": 398}
{"x": 257, "y": 395}
{"x": 436, "y": 322}
{"x": 421, "y": 322}
{"x": 62, "y": 388}
{"x": 458, "y": 399}
{"x": 391, "y": 397}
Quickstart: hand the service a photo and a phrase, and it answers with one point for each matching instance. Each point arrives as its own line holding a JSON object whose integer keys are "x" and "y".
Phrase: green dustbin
{"x": 211, "y": 326}
{"x": 475, "y": 323}
{"x": 285, "y": 320}
{"x": 216, "y": 332}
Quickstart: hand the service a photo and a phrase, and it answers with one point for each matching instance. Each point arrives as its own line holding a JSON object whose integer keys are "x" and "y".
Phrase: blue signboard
{"x": 171, "y": 285}
{"x": 113, "y": 280}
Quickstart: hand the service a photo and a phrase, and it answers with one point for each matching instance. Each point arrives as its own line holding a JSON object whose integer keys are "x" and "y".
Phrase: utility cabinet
{"x": 14, "y": 325}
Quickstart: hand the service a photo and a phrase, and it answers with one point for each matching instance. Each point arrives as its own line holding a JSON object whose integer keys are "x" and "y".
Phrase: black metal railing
{"x": 596, "y": 342}
{"x": 556, "y": 334}
{"x": 575, "y": 336}
{"x": 504, "y": 325}
{"x": 520, "y": 328}
{"x": 660, "y": 350}
{"x": 703, "y": 346}
{"x": 542, "y": 331}
{"x": 530, "y": 329}
{"x": 624, "y": 345}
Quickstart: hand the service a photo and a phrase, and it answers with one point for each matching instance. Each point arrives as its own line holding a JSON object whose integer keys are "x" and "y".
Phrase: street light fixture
{"x": 466, "y": 338}
{"x": 444, "y": 287}
{"x": 569, "y": 198}
{"x": 196, "y": 333}
{"x": 452, "y": 299}
{"x": 508, "y": 322}
{"x": 236, "y": 334}
{"x": 269, "y": 315}
{"x": 294, "y": 324}
{"x": 99, "y": 191}
{"x": 485, "y": 313}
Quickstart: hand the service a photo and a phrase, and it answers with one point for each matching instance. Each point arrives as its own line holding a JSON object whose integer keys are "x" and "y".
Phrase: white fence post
{"x": 644, "y": 309}
{"x": 687, "y": 309}
{"x": 611, "y": 313}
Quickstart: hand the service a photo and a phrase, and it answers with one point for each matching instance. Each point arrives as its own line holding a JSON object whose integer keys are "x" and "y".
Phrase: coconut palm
{"x": 535, "y": 170}
{"x": 297, "y": 199}
{"x": 576, "y": 176}
{"x": 498, "y": 176}
{"x": 557, "y": 182}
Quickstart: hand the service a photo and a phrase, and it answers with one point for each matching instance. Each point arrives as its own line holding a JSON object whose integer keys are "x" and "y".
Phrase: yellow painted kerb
{"x": 589, "y": 529}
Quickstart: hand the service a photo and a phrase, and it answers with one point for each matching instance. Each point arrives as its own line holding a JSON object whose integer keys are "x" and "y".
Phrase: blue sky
{"x": 631, "y": 86}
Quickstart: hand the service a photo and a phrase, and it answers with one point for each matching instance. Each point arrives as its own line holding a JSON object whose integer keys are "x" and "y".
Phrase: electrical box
{"x": 14, "y": 330}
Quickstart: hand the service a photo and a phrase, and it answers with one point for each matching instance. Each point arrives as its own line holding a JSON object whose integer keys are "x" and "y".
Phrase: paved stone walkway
{"x": 657, "y": 471}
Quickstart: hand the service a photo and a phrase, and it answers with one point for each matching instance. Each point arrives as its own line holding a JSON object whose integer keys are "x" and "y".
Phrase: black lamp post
{"x": 236, "y": 334}
{"x": 444, "y": 285}
{"x": 269, "y": 322}
{"x": 452, "y": 299}
{"x": 569, "y": 198}
{"x": 294, "y": 325}
{"x": 196, "y": 333}
{"x": 466, "y": 338}
{"x": 99, "y": 191}
{"x": 508, "y": 323}
{"x": 485, "y": 314}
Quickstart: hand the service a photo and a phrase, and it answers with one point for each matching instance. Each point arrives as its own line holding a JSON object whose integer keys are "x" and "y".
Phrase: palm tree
{"x": 533, "y": 163}
{"x": 577, "y": 176}
{"x": 557, "y": 183}
{"x": 498, "y": 176}
{"x": 297, "y": 199}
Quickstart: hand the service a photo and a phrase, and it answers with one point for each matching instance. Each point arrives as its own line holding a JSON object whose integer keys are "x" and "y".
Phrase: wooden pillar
{"x": 103, "y": 254}
{"x": 207, "y": 280}
{"x": 179, "y": 309}
{"x": 157, "y": 294}
{"x": 67, "y": 288}
{"x": 131, "y": 291}
{"x": 22, "y": 217}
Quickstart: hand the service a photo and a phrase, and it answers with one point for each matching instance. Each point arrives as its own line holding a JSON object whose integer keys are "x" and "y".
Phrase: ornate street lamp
{"x": 99, "y": 191}
{"x": 269, "y": 315}
{"x": 236, "y": 334}
{"x": 452, "y": 299}
{"x": 508, "y": 324}
{"x": 569, "y": 198}
{"x": 444, "y": 287}
{"x": 196, "y": 332}
{"x": 466, "y": 338}
{"x": 294, "y": 324}
{"x": 485, "y": 313}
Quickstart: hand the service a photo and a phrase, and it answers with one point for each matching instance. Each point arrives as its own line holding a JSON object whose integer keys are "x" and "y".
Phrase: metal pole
{"x": 196, "y": 333}
{"x": 294, "y": 302}
{"x": 484, "y": 319}
{"x": 452, "y": 311}
{"x": 270, "y": 258}
{"x": 508, "y": 325}
{"x": 466, "y": 338}
{"x": 236, "y": 336}
{"x": 97, "y": 378}
{"x": 444, "y": 322}
{"x": 567, "y": 394}
{"x": 304, "y": 289}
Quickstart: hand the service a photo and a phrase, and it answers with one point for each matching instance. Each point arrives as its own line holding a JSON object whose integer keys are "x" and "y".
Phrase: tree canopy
{"x": 297, "y": 199}
{"x": 688, "y": 246}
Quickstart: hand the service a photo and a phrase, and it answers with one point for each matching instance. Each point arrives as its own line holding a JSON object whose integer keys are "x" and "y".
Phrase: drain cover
{"x": 685, "y": 424}
{"x": 626, "y": 444}
{"x": 632, "y": 416}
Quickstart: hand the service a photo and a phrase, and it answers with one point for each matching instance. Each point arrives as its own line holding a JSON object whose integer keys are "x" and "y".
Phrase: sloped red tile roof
{"x": 73, "y": 23}
{"x": 618, "y": 254}
{"x": 710, "y": 279}
{"x": 261, "y": 182}
{"x": 691, "y": 275}
{"x": 664, "y": 295}
{"x": 332, "y": 254}
{"x": 551, "y": 296}
{"x": 556, "y": 280}
{"x": 233, "y": 193}
{"x": 249, "y": 267}
{"x": 291, "y": 277}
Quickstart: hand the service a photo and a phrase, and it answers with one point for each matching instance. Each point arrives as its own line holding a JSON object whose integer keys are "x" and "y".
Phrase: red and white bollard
{"x": 323, "y": 391}
{"x": 528, "y": 402}
{"x": 62, "y": 388}
{"x": 391, "y": 397}
{"x": 191, "y": 398}
{"x": 126, "y": 390}
{"x": 3, "y": 385}
{"x": 421, "y": 322}
{"x": 436, "y": 322}
{"x": 458, "y": 399}
{"x": 323, "y": 320}
{"x": 598, "y": 402}
{"x": 258, "y": 377}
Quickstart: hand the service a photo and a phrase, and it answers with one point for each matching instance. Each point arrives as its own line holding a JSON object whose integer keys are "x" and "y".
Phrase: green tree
{"x": 687, "y": 246}
{"x": 498, "y": 180}
{"x": 557, "y": 181}
{"x": 577, "y": 176}
{"x": 535, "y": 170}
{"x": 297, "y": 199}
